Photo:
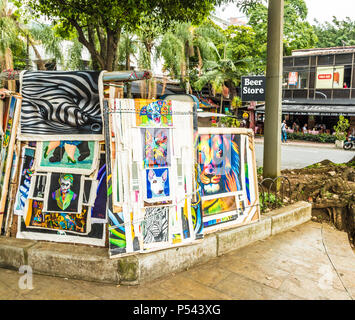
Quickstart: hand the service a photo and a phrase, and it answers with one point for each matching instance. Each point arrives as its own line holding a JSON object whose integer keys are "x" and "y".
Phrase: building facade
{"x": 318, "y": 87}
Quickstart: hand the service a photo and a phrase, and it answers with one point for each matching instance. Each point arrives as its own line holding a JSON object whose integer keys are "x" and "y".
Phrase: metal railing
{"x": 274, "y": 193}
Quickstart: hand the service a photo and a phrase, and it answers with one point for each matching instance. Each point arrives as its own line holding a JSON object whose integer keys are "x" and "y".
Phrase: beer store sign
{"x": 253, "y": 88}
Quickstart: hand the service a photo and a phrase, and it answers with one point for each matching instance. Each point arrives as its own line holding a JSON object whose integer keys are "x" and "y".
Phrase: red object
{"x": 325, "y": 76}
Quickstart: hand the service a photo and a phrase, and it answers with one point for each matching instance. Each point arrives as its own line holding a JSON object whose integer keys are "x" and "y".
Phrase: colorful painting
{"x": 36, "y": 217}
{"x": 117, "y": 232}
{"x": 158, "y": 186}
{"x": 153, "y": 113}
{"x": 156, "y": 147}
{"x": 218, "y": 205}
{"x": 67, "y": 156}
{"x": 63, "y": 193}
{"x": 26, "y": 173}
{"x": 218, "y": 158}
{"x": 6, "y": 138}
{"x": 59, "y": 104}
{"x": 155, "y": 225}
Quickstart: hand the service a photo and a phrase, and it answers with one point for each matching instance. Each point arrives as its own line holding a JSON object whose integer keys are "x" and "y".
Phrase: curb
{"x": 93, "y": 264}
{"x": 310, "y": 145}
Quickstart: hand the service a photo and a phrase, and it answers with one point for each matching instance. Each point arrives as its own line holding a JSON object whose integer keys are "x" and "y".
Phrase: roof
{"x": 321, "y": 51}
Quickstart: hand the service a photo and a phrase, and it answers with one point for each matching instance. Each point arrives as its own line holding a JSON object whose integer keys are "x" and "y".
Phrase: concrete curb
{"x": 93, "y": 263}
{"x": 310, "y": 145}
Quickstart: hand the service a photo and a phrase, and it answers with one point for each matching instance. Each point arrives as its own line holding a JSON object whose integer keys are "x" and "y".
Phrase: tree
{"x": 185, "y": 49}
{"x": 99, "y": 22}
{"x": 218, "y": 73}
{"x": 335, "y": 33}
{"x": 298, "y": 33}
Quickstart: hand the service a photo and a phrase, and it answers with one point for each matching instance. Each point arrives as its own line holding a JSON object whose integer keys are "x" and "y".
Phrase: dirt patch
{"x": 330, "y": 188}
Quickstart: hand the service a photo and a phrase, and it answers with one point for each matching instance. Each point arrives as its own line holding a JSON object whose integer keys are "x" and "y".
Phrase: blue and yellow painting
{"x": 219, "y": 165}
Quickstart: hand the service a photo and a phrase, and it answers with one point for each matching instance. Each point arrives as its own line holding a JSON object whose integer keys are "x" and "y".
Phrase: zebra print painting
{"x": 60, "y": 104}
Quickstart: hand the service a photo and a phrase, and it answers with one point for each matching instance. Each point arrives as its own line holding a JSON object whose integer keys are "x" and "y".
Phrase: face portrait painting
{"x": 64, "y": 195}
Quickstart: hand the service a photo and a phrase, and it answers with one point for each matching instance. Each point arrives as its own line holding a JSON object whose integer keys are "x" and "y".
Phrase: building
{"x": 318, "y": 87}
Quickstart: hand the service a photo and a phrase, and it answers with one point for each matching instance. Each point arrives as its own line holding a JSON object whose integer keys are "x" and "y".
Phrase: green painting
{"x": 67, "y": 156}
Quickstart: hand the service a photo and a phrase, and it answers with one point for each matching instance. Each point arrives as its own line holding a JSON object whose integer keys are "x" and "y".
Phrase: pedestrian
{"x": 304, "y": 129}
{"x": 283, "y": 131}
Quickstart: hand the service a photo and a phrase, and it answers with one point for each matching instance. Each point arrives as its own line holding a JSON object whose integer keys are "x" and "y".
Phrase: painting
{"x": 158, "y": 185}
{"x": 59, "y": 104}
{"x": 156, "y": 147}
{"x": 218, "y": 205}
{"x": 67, "y": 156}
{"x": 26, "y": 173}
{"x": 8, "y": 124}
{"x": 63, "y": 193}
{"x": 153, "y": 113}
{"x": 218, "y": 158}
{"x": 155, "y": 225}
{"x": 38, "y": 186}
{"x": 36, "y": 217}
{"x": 98, "y": 211}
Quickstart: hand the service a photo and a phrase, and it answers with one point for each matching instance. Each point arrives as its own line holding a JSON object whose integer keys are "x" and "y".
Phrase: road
{"x": 299, "y": 156}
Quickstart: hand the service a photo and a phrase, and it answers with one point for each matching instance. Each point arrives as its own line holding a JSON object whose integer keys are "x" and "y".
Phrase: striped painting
{"x": 59, "y": 103}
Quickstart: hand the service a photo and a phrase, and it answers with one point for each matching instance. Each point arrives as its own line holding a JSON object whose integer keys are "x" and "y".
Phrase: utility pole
{"x": 273, "y": 92}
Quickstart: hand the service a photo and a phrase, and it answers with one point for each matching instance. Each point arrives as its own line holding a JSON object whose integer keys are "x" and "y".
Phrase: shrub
{"x": 322, "y": 137}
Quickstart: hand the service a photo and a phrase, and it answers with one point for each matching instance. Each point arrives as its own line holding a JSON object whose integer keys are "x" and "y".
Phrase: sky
{"x": 322, "y": 10}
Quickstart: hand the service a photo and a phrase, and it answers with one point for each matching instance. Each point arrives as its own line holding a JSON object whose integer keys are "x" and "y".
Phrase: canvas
{"x": 156, "y": 147}
{"x": 67, "y": 156}
{"x": 38, "y": 186}
{"x": 36, "y": 217}
{"x": 219, "y": 205}
{"x": 60, "y": 104}
{"x": 155, "y": 225}
{"x": 63, "y": 193}
{"x": 158, "y": 185}
{"x": 218, "y": 157}
{"x": 98, "y": 211}
{"x": 153, "y": 113}
{"x": 26, "y": 173}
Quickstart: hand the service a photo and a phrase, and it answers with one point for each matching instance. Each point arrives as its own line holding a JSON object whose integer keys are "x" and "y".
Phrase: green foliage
{"x": 341, "y": 128}
{"x": 269, "y": 201}
{"x": 335, "y": 33}
{"x": 230, "y": 122}
{"x": 298, "y": 33}
{"x": 322, "y": 137}
{"x": 99, "y": 23}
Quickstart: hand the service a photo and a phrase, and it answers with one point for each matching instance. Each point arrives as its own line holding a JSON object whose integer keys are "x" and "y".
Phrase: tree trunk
{"x": 221, "y": 105}
{"x": 11, "y": 84}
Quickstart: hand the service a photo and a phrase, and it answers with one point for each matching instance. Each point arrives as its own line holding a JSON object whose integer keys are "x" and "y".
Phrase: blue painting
{"x": 157, "y": 183}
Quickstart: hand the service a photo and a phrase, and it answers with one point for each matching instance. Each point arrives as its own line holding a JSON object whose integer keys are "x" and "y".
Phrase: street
{"x": 299, "y": 156}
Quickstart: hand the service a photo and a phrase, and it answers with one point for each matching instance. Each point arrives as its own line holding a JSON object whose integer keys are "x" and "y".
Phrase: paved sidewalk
{"x": 311, "y": 261}
{"x": 310, "y": 144}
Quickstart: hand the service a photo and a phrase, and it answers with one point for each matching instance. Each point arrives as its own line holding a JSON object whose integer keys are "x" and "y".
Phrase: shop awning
{"x": 314, "y": 110}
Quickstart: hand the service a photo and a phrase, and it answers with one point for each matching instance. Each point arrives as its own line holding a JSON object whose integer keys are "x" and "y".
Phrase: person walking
{"x": 283, "y": 131}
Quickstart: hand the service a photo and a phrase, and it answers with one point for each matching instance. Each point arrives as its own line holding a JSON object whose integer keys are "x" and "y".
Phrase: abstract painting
{"x": 218, "y": 205}
{"x": 156, "y": 147}
{"x": 60, "y": 103}
{"x": 153, "y": 113}
{"x": 26, "y": 173}
{"x": 36, "y": 217}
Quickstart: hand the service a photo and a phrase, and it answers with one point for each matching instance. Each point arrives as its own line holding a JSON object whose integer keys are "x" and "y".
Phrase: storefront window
{"x": 295, "y": 79}
{"x": 330, "y": 77}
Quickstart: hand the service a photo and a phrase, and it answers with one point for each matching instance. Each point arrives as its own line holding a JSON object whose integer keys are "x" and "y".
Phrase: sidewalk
{"x": 260, "y": 140}
{"x": 310, "y": 261}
